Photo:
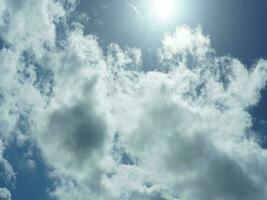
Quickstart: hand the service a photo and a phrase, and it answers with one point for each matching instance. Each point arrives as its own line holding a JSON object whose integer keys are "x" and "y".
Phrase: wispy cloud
{"x": 137, "y": 12}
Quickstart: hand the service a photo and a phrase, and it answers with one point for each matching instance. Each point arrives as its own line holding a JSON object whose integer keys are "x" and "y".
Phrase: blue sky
{"x": 235, "y": 27}
{"x": 101, "y": 99}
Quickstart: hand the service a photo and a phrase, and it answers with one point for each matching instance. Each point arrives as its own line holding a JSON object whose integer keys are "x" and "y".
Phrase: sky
{"x": 133, "y": 100}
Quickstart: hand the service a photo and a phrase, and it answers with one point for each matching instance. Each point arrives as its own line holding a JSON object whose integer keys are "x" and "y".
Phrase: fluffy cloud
{"x": 111, "y": 131}
{"x": 19, "y": 91}
{"x": 7, "y": 174}
{"x": 5, "y": 194}
{"x": 175, "y": 136}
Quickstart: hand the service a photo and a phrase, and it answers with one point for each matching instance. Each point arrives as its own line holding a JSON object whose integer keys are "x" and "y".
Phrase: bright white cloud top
{"x": 111, "y": 132}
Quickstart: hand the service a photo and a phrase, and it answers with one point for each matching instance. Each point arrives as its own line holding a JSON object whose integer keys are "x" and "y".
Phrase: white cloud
{"x": 5, "y": 194}
{"x": 185, "y": 128}
{"x": 7, "y": 173}
{"x": 20, "y": 28}
{"x": 166, "y": 122}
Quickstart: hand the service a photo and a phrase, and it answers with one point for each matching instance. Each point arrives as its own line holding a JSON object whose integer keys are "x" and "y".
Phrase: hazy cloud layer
{"x": 109, "y": 130}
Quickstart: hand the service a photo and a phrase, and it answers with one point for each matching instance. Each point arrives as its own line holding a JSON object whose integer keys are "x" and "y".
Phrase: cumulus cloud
{"x": 19, "y": 91}
{"x": 112, "y": 131}
{"x": 5, "y": 194}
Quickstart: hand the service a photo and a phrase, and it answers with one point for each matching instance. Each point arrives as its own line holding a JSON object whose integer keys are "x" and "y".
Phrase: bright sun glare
{"x": 163, "y": 10}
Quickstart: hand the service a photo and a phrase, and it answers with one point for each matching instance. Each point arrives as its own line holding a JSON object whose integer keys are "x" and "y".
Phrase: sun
{"x": 163, "y": 10}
